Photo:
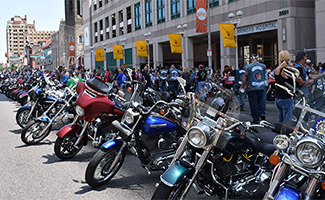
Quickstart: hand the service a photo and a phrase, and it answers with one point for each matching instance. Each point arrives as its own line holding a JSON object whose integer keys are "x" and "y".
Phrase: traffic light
{"x": 6, "y": 54}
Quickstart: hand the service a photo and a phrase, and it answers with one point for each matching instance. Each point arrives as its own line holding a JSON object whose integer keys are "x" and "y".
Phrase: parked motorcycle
{"x": 61, "y": 110}
{"x": 156, "y": 138}
{"x": 216, "y": 157}
{"x": 299, "y": 158}
{"x": 95, "y": 111}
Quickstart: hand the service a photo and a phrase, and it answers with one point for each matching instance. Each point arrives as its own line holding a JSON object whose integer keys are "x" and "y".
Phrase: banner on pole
{"x": 99, "y": 54}
{"x": 175, "y": 41}
{"x": 201, "y": 16}
{"x": 72, "y": 49}
{"x": 141, "y": 48}
{"x": 118, "y": 51}
{"x": 228, "y": 35}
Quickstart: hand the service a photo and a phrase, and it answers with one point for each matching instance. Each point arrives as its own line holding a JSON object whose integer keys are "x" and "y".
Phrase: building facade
{"x": 70, "y": 33}
{"x": 265, "y": 27}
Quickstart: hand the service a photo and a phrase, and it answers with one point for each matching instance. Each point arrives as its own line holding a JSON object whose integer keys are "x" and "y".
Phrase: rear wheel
{"x": 64, "y": 147}
{"x": 21, "y": 117}
{"x": 100, "y": 169}
{"x": 32, "y": 133}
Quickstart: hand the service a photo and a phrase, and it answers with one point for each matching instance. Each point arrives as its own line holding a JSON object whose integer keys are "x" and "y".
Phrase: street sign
{"x": 209, "y": 52}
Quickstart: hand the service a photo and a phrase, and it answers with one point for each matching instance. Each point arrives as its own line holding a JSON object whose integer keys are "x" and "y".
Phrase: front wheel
{"x": 64, "y": 147}
{"x": 164, "y": 191}
{"x": 21, "y": 117}
{"x": 98, "y": 171}
{"x": 33, "y": 132}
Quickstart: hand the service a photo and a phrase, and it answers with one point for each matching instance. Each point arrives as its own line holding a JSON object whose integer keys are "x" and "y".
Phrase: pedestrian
{"x": 254, "y": 83}
{"x": 146, "y": 77}
{"x": 65, "y": 77}
{"x": 107, "y": 76}
{"x": 201, "y": 77}
{"x": 162, "y": 75}
{"x": 172, "y": 80}
{"x": 187, "y": 76}
{"x": 239, "y": 74}
{"x": 121, "y": 78}
{"x": 317, "y": 89}
{"x": 74, "y": 80}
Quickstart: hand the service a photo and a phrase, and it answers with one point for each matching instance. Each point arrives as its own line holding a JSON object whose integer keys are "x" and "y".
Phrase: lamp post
{"x": 182, "y": 29}
{"x": 148, "y": 36}
{"x": 123, "y": 42}
{"x": 236, "y": 22}
{"x": 75, "y": 43}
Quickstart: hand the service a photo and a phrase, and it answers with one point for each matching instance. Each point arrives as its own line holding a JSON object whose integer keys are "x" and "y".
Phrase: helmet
{"x": 165, "y": 96}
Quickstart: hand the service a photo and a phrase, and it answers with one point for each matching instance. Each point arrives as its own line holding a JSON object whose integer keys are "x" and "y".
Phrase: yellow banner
{"x": 141, "y": 48}
{"x": 118, "y": 51}
{"x": 175, "y": 43}
{"x": 99, "y": 54}
{"x": 228, "y": 35}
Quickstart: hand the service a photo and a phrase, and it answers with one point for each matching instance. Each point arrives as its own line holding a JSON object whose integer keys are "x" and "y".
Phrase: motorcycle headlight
{"x": 309, "y": 152}
{"x": 128, "y": 117}
{"x": 80, "y": 111}
{"x": 197, "y": 136}
{"x": 281, "y": 142}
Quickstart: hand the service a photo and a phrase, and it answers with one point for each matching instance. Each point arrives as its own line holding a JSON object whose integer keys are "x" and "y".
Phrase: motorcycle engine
{"x": 163, "y": 142}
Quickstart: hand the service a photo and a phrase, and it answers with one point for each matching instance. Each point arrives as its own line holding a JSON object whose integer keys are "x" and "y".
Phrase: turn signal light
{"x": 162, "y": 112}
{"x": 129, "y": 89}
{"x": 274, "y": 159}
{"x": 323, "y": 185}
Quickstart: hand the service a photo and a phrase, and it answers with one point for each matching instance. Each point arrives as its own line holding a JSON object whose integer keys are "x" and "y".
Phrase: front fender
{"x": 69, "y": 129}
{"x": 112, "y": 143}
{"x": 174, "y": 174}
{"x": 288, "y": 193}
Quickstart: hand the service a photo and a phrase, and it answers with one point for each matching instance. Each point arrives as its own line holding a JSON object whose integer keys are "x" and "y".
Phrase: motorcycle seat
{"x": 263, "y": 141}
{"x": 98, "y": 85}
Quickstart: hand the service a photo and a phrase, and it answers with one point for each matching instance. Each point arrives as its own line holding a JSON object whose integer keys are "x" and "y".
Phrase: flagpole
{"x": 209, "y": 35}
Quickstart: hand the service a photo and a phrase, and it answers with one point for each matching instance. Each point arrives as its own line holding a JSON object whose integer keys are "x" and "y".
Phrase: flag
{"x": 118, "y": 51}
{"x": 99, "y": 54}
{"x": 228, "y": 36}
{"x": 175, "y": 43}
{"x": 141, "y": 48}
{"x": 71, "y": 49}
{"x": 201, "y": 16}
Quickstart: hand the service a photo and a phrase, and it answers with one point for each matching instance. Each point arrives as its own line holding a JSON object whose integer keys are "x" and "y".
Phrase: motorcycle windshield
{"x": 306, "y": 111}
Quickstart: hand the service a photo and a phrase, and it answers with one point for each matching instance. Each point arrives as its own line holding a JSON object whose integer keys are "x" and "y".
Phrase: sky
{"x": 46, "y": 13}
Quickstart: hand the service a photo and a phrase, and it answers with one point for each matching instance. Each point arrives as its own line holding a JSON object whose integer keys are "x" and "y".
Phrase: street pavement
{"x": 34, "y": 172}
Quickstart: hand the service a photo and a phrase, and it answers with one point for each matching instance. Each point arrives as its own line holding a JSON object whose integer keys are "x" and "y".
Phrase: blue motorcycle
{"x": 152, "y": 137}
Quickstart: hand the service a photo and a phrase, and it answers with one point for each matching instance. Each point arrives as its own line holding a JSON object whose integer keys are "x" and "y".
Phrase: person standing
{"x": 146, "y": 76}
{"x": 239, "y": 74}
{"x": 172, "y": 79}
{"x": 65, "y": 76}
{"x": 201, "y": 84}
{"x": 162, "y": 74}
{"x": 301, "y": 58}
{"x": 187, "y": 76}
{"x": 254, "y": 82}
{"x": 121, "y": 78}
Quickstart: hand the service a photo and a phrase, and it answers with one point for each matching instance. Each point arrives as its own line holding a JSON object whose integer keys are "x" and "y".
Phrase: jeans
{"x": 163, "y": 86}
{"x": 264, "y": 99}
{"x": 255, "y": 99}
{"x": 173, "y": 86}
{"x": 241, "y": 97}
{"x": 285, "y": 109}
{"x": 200, "y": 88}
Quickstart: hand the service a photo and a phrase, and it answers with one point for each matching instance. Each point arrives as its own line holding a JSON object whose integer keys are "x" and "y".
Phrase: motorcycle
{"x": 299, "y": 155}
{"x": 60, "y": 111}
{"x": 270, "y": 92}
{"x": 155, "y": 137}
{"x": 95, "y": 111}
{"x": 216, "y": 157}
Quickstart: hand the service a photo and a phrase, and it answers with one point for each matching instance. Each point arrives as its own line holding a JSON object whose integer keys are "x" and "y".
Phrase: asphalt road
{"x": 34, "y": 172}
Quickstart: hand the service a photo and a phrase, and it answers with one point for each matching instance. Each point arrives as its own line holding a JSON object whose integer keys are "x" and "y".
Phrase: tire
{"x": 163, "y": 191}
{"x": 32, "y": 130}
{"x": 64, "y": 148}
{"x": 21, "y": 117}
{"x": 102, "y": 161}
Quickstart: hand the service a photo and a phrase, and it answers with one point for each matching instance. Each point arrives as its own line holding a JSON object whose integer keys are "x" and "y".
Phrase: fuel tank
{"x": 157, "y": 125}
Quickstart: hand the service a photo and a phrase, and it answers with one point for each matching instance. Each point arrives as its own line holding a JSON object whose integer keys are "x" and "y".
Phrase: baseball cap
{"x": 300, "y": 55}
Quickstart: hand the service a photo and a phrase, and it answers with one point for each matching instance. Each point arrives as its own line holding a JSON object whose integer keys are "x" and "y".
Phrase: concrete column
{"x": 117, "y": 22}
{"x": 125, "y": 21}
{"x": 291, "y": 33}
{"x": 227, "y": 55}
{"x": 183, "y": 8}
{"x": 189, "y": 52}
{"x": 154, "y": 12}
{"x": 143, "y": 16}
{"x": 320, "y": 27}
{"x": 167, "y": 10}
{"x": 110, "y": 26}
{"x": 158, "y": 49}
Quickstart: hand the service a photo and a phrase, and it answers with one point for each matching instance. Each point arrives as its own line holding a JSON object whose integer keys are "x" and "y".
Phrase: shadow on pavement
{"x": 45, "y": 142}
{"x": 81, "y": 157}
{"x": 17, "y": 131}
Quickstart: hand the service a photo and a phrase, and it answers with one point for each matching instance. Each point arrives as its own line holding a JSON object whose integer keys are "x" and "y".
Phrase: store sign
{"x": 258, "y": 28}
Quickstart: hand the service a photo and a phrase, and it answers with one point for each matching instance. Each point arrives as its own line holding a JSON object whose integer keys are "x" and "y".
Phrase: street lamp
{"x": 123, "y": 42}
{"x": 75, "y": 42}
{"x": 235, "y": 22}
{"x": 148, "y": 36}
{"x": 182, "y": 29}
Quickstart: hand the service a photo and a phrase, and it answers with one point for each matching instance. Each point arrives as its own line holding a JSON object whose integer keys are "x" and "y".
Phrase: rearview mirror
{"x": 182, "y": 83}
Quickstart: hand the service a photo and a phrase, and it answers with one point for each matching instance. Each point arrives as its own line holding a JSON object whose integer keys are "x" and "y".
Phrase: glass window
{"x": 80, "y": 39}
{"x": 107, "y": 27}
{"x": 129, "y": 19}
{"x": 137, "y": 16}
{"x": 214, "y": 3}
{"x": 230, "y": 1}
{"x": 175, "y": 9}
{"x": 160, "y": 11}
{"x": 191, "y": 7}
{"x": 148, "y": 12}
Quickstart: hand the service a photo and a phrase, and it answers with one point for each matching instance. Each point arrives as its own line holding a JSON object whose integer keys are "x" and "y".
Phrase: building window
{"x": 129, "y": 19}
{"x": 96, "y": 32}
{"x": 113, "y": 26}
{"x": 214, "y": 3}
{"x": 191, "y": 7}
{"x": 107, "y": 27}
{"x": 79, "y": 7}
{"x": 175, "y": 9}
{"x": 71, "y": 38}
{"x": 95, "y": 5}
{"x": 121, "y": 24}
{"x": 148, "y": 13}
{"x": 100, "y": 3}
{"x": 101, "y": 30}
{"x": 106, "y": 1}
{"x": 80, "y": 39}
{"x": 230, "y": 1}
{"x": 137, "y": 16}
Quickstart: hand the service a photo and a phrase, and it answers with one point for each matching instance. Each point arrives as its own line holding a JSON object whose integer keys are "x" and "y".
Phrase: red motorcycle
{"x": 94, "y": 114}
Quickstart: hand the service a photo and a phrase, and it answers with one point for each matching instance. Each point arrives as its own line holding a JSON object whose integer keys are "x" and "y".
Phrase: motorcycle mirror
{"x": 110, "y": 86}
{"x": 182, "y": 82}
{"x": 130, "y": 73}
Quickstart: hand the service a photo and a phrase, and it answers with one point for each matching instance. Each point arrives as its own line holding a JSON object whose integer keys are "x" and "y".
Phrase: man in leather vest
{"x": 239, "y": 74}
{"x": 162, "y": 74}
{"x": 254, "y": 82}
{"x": 172, "y": 79}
